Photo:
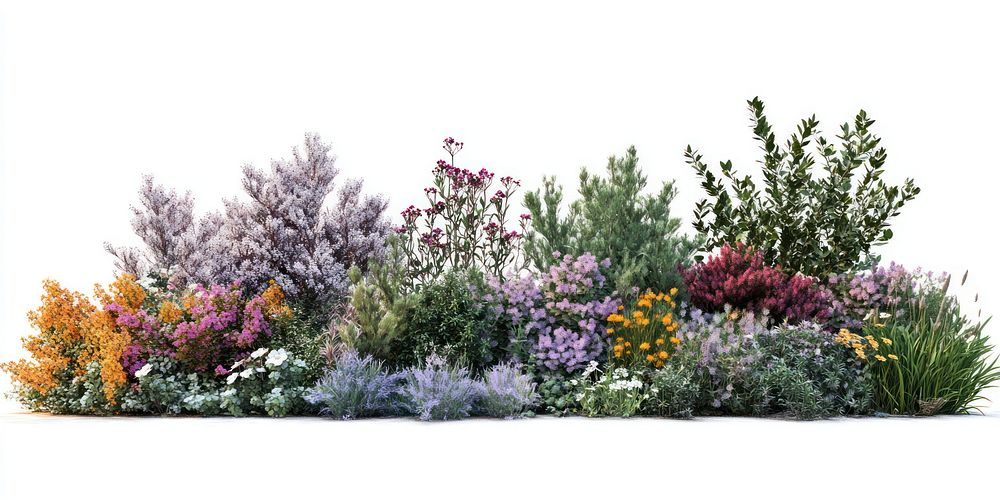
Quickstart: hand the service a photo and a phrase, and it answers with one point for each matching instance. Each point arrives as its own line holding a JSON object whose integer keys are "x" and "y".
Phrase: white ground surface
{"x": 45, "y": 457}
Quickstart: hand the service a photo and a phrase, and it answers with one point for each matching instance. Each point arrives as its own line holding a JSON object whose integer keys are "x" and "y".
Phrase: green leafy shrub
{"x": 814, "y": 224}
{"x": 449, "y": 319}
{"x": 673, "y": 392}
{"x": 942, "y": 360}
{"x": 378, "y": 308}
{"x": 617, "y": 392}
{"x": 614, "y": 219}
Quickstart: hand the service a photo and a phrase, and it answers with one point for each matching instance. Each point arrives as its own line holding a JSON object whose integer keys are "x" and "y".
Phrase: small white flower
{"x": 260, "y": 369}
{"x": 247, "y": 373}
{"x": 884, "y": 315}
{"x": 258, "y": 353}
{"x": 276, "y": 357}
{"x": 237, "y": 364}
{"x": 227, "y": 393}
{"x": 232, "y": 378}
{"x": 142, "y": 372}
{"x": 573, "y": 382}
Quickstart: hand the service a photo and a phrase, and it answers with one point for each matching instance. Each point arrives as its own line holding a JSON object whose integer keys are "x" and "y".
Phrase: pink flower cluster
{"x": 217, "y": 326}
{"x": 738, "y": 277}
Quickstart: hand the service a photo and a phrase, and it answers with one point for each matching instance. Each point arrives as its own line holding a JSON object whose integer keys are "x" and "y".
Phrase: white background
{"x": 94, "y": 94}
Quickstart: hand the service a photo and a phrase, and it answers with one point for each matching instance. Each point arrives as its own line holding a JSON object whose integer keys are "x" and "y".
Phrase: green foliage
{"x": 816, "y": 225}
{"x": 73, "y": 395}
{"x": 613, "y": 219}
{"x": 673, "y": 392}
{"x": 162, "y": 389}
{"x": 378, "y": 309}
{"x": 944, "y": 360}
{"x": 616, "y": 392}
{"x": 449, "y": 319}
{"x": 304, "y": 335}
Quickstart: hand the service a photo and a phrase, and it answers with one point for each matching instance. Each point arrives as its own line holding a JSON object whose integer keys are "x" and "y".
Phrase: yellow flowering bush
{"x": 643, "y": 333}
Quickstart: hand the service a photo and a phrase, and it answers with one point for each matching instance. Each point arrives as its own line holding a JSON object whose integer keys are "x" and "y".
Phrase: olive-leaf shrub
{"x": 813, "y": 223}
{"x": 438, "y": 391}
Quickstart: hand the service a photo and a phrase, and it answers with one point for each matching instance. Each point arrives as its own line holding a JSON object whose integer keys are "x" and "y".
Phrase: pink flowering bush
{"x": 738, "y": 277}
{"x": 203, "y": 329}
{"x": 858, "y": 295}
{"x": 466, "y": 225}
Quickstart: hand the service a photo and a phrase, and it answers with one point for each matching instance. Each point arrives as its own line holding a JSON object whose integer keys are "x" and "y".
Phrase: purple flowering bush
{"x": 357, "y": 387}
{"x": 562, "y": 316}
{"x": 467, "y": 224}
{"x": 856, "y": 296}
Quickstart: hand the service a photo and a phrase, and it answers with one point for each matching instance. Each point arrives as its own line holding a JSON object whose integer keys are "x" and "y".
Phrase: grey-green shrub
{"x": 673, "y": 392}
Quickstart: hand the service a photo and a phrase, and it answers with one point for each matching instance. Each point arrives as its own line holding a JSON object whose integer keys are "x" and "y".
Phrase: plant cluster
{"x": 281, "y": 305}
{"x": 466, "y": 224}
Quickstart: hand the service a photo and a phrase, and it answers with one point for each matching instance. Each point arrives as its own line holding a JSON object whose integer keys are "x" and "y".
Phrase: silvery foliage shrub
{"x": 161, "y": 388}
{"x": 283, "y": 231}
{"x": 437, "y": 391}
{"x": 673, "y": 392}
{"x": 268, "y": 381}
{"x": 617, "y": 392}
{"x": 357, "y": 387}
{"x": 83, "y": 395}
{"x": 507, "y": 391}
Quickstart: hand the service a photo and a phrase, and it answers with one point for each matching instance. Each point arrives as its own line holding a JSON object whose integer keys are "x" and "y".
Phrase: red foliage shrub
{"x": 738, "y": 277}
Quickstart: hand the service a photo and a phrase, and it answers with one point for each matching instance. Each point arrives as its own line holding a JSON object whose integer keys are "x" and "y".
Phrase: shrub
{"x": 942, "y": 361}
{"x": 717, "y": 349}
{"x": 507, "y": 391}
{"x": 815, "y": 225}
{"x": 437, "y": 391}
{"x": 75, "y": 362}
{"x": 673, "y": 392}
{"x": 739, "y": 278}
{"x": 377, "y": 310}
{"x": 802, "y": 370}
{"x": 860, "y": 295}
{"x": 161, "y": 388}
{"x": 614, "y": 219}
{"x": 448, "y": 318}
{"x": 282, "y": 233}
{"x": 356, "y": 387}
{"x": 617, "y": 392}
{"x": 267, "y": 381}
{"x": 466, "y": 225}
{"x": 644, "y": 333}
{"x": 563, "y": 316}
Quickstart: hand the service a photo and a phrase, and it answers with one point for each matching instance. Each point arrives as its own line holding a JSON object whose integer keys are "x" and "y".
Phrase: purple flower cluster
{"x": 563, "y": 315}
{"x": 881, "y": 289}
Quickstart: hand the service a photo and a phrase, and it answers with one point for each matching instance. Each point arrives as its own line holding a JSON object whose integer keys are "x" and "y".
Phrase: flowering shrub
{"x": 616, "y": 393}
{"x": 466, "y": 224}
{"x": 437, "y": 391}
{"x": 268, "y": 382}
{"x": 857, "y": 296}
{"x": 718, "y": 348}
{"x": 203, "y": 329}
{"x": 644, "y": 333}
{"x": 75, "y": 356}
{"x": 507, "y": 392}
{"x": 357, "y": 387}
{"x": 563, "y": 316}
{"x": 738, "y": 277}
{"x": 161, "y": 388}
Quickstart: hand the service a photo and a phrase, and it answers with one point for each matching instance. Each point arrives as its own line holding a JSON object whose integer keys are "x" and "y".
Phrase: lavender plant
{"x": 438, "y": 391}
{"x": 508, "y": 391}
{"x": 283, "y": 232}
{"x": 357, "y": 387}
{"x": 466, "y": 225}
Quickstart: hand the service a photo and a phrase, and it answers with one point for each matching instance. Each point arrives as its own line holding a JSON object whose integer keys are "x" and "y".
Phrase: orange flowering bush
{"x": 643, "y": 333}
{"x": 75, "y": 363}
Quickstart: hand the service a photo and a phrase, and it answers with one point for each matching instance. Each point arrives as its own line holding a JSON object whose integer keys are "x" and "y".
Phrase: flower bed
{"x": 282, "y": 307}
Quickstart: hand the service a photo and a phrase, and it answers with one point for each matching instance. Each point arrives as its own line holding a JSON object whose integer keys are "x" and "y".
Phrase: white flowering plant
{"x": 268, "y": 381}
{"x": 161, "y": 388}
{"x": 613, "y": 392}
